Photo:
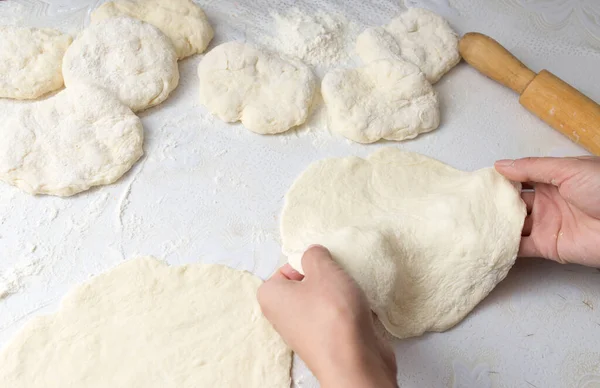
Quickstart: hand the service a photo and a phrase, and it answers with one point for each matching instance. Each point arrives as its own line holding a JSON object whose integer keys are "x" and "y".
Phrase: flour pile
{"x": 319, "y": 39}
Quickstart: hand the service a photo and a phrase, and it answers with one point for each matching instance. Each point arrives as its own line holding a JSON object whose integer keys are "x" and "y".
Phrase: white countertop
{"x": 211, "y": 192}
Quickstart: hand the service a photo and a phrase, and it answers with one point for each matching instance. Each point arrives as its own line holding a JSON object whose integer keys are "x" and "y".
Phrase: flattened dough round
{"x": 385, "y": 99}
{"x": 30, "y": 61}
{"x": 181, "y": 20}
{"x": 425, "y": 241}
{"x": 79, "y": 138}
{"x": 267, "y": 93}
{"x": 128, "y": 57}
{"x": 147, "y": 325}
{"x": 418, "y": 36}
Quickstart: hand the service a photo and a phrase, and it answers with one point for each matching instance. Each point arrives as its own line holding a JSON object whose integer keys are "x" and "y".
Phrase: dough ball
{"x": 147, "y": 325}
{"x": 181, "y": 20}
{"x": 267, "y": 93}
{"x": 425, "y": 241}
{"x": 30, "y": 61}
{"x": 386, "y": 99}
{"x": 129, "y": 58}
{"x": 418, "y": 36}
{"x": 79, "y": 138}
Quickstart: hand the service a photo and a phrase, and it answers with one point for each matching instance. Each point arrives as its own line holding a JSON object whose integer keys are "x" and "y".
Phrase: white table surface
{"x": 211, "y": 192}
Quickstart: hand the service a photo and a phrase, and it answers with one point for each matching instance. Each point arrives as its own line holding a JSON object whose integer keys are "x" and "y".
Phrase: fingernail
{"x": 505, "y": 162}
{"x": 315, "y": 246}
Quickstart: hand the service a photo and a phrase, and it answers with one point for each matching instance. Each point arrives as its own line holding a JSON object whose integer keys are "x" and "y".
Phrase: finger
{"x": 278, "y": 275}
{"x": 528, "y": 198}
{"x": 527, "y": 225}
{"x": 528, "y": 248}
{"x": 552, "y": 171}
{"x": 291, "y": 273}
{"x": 317, "y": 259}
{"x": 274, "y": 293}
{"x": 587, "y": 157}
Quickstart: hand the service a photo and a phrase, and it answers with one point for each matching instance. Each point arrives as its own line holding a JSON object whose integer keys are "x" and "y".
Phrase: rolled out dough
{"x": 147, "y": 325}
{"x": 128, "y": 57}
{"x": 426, "y": 242}
{"x": 30, "y": 61}
{"x": 79, "y": 138}
{"x": 181, "y": 20}
{"x": 268, "y": 93}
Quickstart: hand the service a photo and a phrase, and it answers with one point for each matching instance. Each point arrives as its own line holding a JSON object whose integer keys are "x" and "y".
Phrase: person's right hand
{"x": 563, "y": 221}
{"x": 325, "y": 318}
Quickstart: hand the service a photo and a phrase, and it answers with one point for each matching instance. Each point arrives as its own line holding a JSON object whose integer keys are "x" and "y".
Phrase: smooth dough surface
{"x": 268, "y": 93}
{"x": 425, "y": 241}
{"x": 30, "y": 61}
{"x": 79, "y": 138}
{"x": 418, "y": 36}
{"x": 128, "y": 57}
{"x": 181, "y": 20}
{"x": 147, "y": 325}
{"x": 386, "y": 99}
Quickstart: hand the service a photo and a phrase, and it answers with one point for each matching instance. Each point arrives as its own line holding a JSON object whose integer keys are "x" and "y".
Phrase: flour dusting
{"x": 318, "y": 39}
{"x": 14, "y": 278}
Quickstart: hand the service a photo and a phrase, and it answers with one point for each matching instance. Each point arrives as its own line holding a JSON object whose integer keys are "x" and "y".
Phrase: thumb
{"x": 552, "y": 171}
{"x": 317, "y": 260}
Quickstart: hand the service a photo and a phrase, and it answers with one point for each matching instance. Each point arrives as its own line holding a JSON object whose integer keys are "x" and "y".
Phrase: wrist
{"x": 358, "y": 365}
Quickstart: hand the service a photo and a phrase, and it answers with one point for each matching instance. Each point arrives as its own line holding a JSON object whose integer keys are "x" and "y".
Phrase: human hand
{"x": 325, "y": 318}
{"x": 563, "y": 221}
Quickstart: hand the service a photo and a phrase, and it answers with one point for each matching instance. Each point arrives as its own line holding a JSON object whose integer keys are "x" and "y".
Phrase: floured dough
{"x": 386, "y": 99}
{"x": 147, "y": 325}
{"x": 181, "y": 20}
{"x": 418, "y": 36}
{"x": 425, "y": 241}
{"x": 267, "y": 93}
{"x": 30, "y": 61}
{"x": 128, "y": 57}
{"x": 79, "y": 138}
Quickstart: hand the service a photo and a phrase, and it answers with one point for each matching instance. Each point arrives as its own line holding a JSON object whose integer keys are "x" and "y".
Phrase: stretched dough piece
{"x": 418, "y": 36}
{"x": 79, "y": 138}
{"x": 385, "y": 99}
{"x": 426, "y": 242}
{"x": 30, "y": 61}
{"x": 128, "y": 57}
{"x": 269, "y": 94}
{"x": 181, "y": 20}
{"x": 147, "y": 325}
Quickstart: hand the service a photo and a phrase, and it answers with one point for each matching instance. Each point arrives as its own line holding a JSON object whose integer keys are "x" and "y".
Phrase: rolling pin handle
{"x": 494, "y": 61}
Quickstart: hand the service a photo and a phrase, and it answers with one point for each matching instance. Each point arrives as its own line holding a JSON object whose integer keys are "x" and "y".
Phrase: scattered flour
{"x": 14, "y": 278}
{"x": 318, "y": 39}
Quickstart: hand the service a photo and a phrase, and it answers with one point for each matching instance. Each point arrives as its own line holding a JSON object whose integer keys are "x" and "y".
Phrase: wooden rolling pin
{"x": 559, "y": 104}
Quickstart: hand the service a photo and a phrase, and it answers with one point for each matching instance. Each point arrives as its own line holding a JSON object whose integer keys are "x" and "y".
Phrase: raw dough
{"x": 147, "y": 325}
{"x": 268, "y": 93}
{"x": 181, "y": 20}
{"x": 30, "y": 61}
{"x": 386, "y": 99}
{"x": 130, "y": 58}
{"x": 425, "y": 241}
{"x": 418, "y": 36}
{"x": 80, "y": 138}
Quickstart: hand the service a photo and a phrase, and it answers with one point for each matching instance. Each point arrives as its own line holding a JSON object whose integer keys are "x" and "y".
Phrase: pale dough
{"x": 386, "y": 99}
{"x": 30, "y": 61}
{"x": 128, "y": 57}
{"x": 418, "y": 36}
{"x": 181, "y": 20}
{"x": 269, "y": 94}
{"x": 425, "y": 241}
{"x": 147, "y": 325}
{"x": 79, "y": 138}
